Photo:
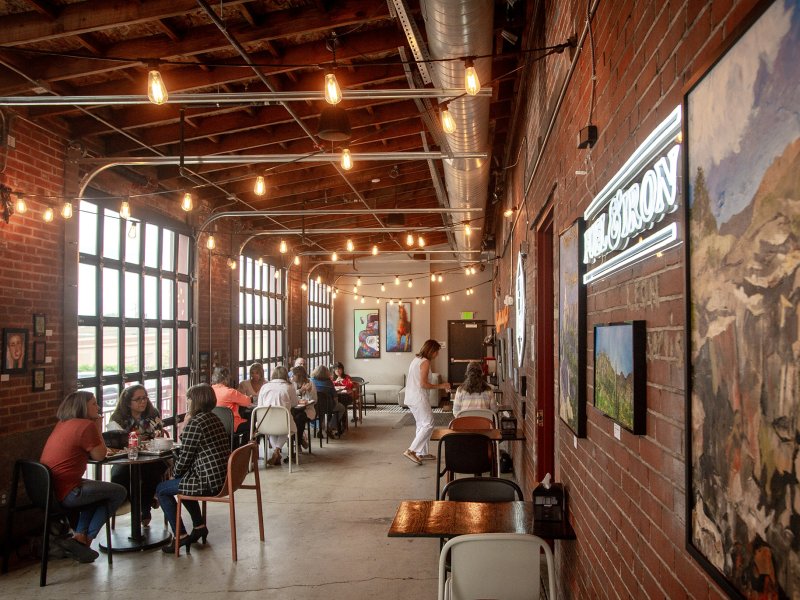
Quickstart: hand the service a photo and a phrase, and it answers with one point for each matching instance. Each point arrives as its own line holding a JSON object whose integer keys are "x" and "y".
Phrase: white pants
{"x": 423, "y": 415}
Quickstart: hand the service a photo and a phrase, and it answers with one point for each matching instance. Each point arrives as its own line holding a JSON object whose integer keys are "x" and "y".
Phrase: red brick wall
{"x": 627, "y": 496}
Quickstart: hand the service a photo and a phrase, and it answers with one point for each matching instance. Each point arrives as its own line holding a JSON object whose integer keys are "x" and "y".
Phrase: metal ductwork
{"x": 460, "y": 28}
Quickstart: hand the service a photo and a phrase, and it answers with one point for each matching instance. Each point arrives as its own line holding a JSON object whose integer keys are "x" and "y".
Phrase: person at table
{"x": 342, "y": 380}
{"x": 75, "y": 439}
{"x": 135, "y": 412}
{"x": 321, "y": 378}
{"x": 279, "y": 392}
{"x": 416, "y": 398}
{"x": 251, "y": 387}
{"x": 233, "y": 399}
{"x": 201, "y": 466}
{"x": 474, "y": 392}
{"x": 307, "y": 394}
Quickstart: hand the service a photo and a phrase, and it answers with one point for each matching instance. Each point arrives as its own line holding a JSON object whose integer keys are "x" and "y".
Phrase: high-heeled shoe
{"x": 199, "y": 533}
{"x": 185, "y": 540}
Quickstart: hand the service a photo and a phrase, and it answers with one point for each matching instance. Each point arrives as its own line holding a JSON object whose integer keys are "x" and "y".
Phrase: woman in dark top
{"x": 201, "y": 466}
{"x": 135, "y": 412}
{"x": 321, "y": 378}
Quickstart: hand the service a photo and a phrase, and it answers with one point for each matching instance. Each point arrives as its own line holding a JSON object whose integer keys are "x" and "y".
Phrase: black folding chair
{"x": 324, "y": 407}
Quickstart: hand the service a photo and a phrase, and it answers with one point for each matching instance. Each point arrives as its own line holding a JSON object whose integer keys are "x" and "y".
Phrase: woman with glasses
{"x": 135, "y": 412}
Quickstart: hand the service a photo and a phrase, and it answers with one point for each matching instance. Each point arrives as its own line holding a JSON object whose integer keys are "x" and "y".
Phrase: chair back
{"x": 225, "y": 415}
{"x": 325, "y": 403}
{"x": 482, "y": 489}
{"x": 38, "y": 483}
{"x": 495, "y": 565}
{"x": 271, "y": 420}
{"x": 470, "y": 453}
{"x": 480, "y": 412}
{"x": 238, "y": 466}
{"x": 467, "y": 423}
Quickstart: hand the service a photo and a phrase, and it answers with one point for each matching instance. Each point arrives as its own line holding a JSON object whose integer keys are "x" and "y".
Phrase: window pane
{"x": 257, "y": 277}
{"x": 151, "y": 385}
{"x": 150, "y": 297}
{"x": 167, "y": 348}
{"x": 248, "y": 309}
{"x": 183, "y": 348}
{"x": 110, "y": 395}
{"x": 111, "y": 227}
{"x": 150, "y": 349}
{"x": 87, "y": 352}
{"x": 183, "y": 301}
{"x": 265, "y": 316}
{"x": 242, "y": 355}
{"x": 151, "y": 246}
{"x": 168, "y": 251}
{"x": 257, "y": 311}
{"x": 110, "y": 292}
{"x": 167, "y": 386}
{"x": 87, "y": 290}
{"x": 279, "y": 312}
{"x": 167, "y": 299}
{"x": 241, "y": 271}
{"x": 132, "y": 308}
{"x": 249, "y": 343}
{"x": 183, "y": 254}
{"x": 248, "y": 272}
{"x": 183, "y": 385}
{"x": 241, "y": 307}
{"x": 132, "y": 350}
{"x": 87, "y": 224}
{"x": 257, "y": 354}
{"x": 133, "y": 243}
{"x": 110, "y": 350}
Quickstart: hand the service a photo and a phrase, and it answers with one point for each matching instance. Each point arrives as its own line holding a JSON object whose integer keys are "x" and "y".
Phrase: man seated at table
{"x": 232, "y": 399}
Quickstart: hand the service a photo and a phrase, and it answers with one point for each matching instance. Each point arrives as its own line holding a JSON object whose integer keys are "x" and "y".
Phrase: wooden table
{"x": 444, "y": 519}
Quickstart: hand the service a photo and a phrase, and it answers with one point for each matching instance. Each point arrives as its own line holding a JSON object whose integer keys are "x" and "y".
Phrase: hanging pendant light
{"x": 374, "y": 250}
{"x": 347, "y": 159}
{"x": 66, "y": 210}
{"x": 260, "y": 187}
{"x": 187, "y": 203}
{"x": 156, "y": 90}
{"x": 409, "y": 240}
{"x": 297, "y": 261}
{"x": 420, "y": 241}
{"x": 133, "y": 230}
{"x": 125, "y": 210}
{"x": 472, "y": 84}
{"x": 334, "y": 257}
{"x": 211, "y": 243}
{"x": 350, "y": 246}
{"x": 283, "y": 248}
{"x": 334, "y": 125}
{"x": 48, "y": 215}
{"x": 333, "y": 93}
{"x": 20, "y": 206}
{"x": 448, "y": 122}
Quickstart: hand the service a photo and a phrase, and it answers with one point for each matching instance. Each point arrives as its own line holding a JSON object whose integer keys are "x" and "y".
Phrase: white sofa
{"x": 433, "y": 395}
{"x": 384, "y": 393}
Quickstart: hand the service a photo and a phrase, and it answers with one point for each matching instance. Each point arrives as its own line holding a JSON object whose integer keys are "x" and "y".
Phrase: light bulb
{"x": 334, "y": 257}
{"x": 471, "y": 82}
{"x": 391, "y": 301}
{"x": 211, "y": 242}
{"x": 421, "y": 241}
{"x": 472, "y": 270}
{"x": 358, "y": 282}
{"x": 440, "y": 278}
{"x": 433, "y": 277}
{"x": 417, "y": 301}
{"x": 396, "y": 280}
{"x": 20, "y": 207}
{"x": 260, "y": 187}
{"x": 355, "y": 297}
{"x": 283, "y": 248}
{"x": 442, "y": 297}
{"x": 423, "y": 300}
{"x": 47, "y": 216}
{"x": 333, "y": 93}
{"x": 467, "y": 229}
{"x": 133, "y": 230}
{"x": 448, "y": 122}
{"x": 350, "y": 246}
{"x": 187, "y": 203}
{"x": 297, "y": 261}
{"x": 319, "y": 279}
{"x": 328, "y": 288}
{"x": 374, "y": 250}
{"x": 409, "y": 240}
{"x": 355, "y": 289}
{"x": 304, "y": 287}
{"x": 156, "y": 90}
{"x": 277, "y": 274}
{"x": 334, "y": 295}
{"x": 66, "y": 210}
{"x": 466, "y": 271}
{"x": 410, "y": 283}
{"x": 260, "y": 261}
{"x": 232, "y": 264}
{"x": 362, "y": 299}
{"x": 383, "y": 288}
{"x": 508, "y": 213}
{"x": 447, "y": 297}
{"x": 125, "y": 210}
{"x": 347, "y": 160}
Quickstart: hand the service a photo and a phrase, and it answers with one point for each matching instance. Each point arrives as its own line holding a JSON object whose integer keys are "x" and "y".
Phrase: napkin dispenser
{"x": 549, "y": 502}
{"x": 508, "y": 424}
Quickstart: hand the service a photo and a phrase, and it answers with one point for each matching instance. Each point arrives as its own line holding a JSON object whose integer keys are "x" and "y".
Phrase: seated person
{"x": 279, "y": 392}
{"x": 251, "y": 387}
{"x": 321, "y": 378}
{"x": 298, "y": 362}
{"x": 233, "y": 399}
{"x": 135, "y": 412}
{"x": 474, "y": 392}
{"x": 307, "y": 394}
{"x": 342, "y": 379}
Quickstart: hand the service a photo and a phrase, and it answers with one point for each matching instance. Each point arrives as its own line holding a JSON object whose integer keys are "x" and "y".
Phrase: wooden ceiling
{"x": 98, "y": 47}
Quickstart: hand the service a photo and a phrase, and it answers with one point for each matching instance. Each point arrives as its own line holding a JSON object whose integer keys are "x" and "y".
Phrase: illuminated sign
{"x": 633, "y": 201}
{"x": 520, "y": 310}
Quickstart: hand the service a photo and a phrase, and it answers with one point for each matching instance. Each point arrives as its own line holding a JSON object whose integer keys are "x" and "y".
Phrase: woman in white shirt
{"x": 278, "y": 392}
{"x": 474, "y": 392}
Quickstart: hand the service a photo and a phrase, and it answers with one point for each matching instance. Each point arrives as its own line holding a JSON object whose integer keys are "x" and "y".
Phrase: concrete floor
{"x": 325, "y": 527}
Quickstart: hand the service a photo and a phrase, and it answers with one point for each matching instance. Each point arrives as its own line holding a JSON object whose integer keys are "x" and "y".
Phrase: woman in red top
{"x": 74, "y": 440}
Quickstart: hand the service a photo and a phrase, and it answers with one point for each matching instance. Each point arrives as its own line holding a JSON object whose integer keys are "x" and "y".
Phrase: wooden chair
{"x": 470, "y": 423}
{"x": 239, "y": 462}
{"x": 480, "y": 412}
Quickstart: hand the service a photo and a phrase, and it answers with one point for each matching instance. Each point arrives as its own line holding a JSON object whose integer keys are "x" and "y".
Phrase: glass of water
{"x": 133, "y": 452}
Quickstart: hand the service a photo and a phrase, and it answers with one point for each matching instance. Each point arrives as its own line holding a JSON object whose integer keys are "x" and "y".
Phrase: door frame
{"x": 544, "y": 413}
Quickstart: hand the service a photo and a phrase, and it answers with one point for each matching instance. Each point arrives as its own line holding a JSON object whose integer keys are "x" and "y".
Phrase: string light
{"x": 304, "y": 287}
{"x": 396, "y": 280}
{"x": 347, "y": 159}
{"x": 232, "y": 264}
{"x": 417, "y": 301}
{"x": 20, "y": 206}
{"x": 187, "y": 203}
{"x": 355, "y": 297}
{"x": 466, "y": 271}
{"x": 350, "y": 246}
{"x": 297, "y": 261}
{"x": 362, "y": 299}
{"x": 374, "y": 250}
{"x": 333, "y": 93}
{"x": 409, "y": 240}
{"x": 319, "y": 279}
{"x": 421, "y": 242}
{"x": 467, "y": 230}
{"x": 334, "y": 257}
{"x": 47, "y": 216}
{"x": 439, "y": 278}
{"x": 423, "y": 300}
{"x": 472, "y": 84}
{"x": 66, "y": 210}
{"x": 448, "y": 122}
{"x": 377, "y": 300}
{"x": 277, "y": 274}
{"x": 283, "y": 248}
{"x": 260, "y": 187}
{"x": 211, "y": 242}
{"x": 328, "y": 288}
{"x": 156, "y": 90}
{"x": 391, "y": 301}
{"x": 410, "y": 283}
{"x": 133, "y": 230}
{"x": 260, "y": 261}
{"x": 355, "y": 289}
{"x": 433, "y": 277}
{"x": 509, "y": 212}
{"x": 125, "y": 210}
{"x": 383, "y": 288}
{"x": 358, "y": 282}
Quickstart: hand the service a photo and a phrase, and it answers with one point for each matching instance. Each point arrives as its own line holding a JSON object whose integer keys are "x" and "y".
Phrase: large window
{"x": 318, "y": 330}
{"x": 262, "y": 322}
{"x": 134, "y": 308}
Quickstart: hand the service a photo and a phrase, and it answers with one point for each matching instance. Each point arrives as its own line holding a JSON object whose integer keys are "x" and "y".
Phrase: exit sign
{"x": 467, "y": 315}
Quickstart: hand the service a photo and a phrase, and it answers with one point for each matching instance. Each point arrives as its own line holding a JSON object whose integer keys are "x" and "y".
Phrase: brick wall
{"x": 627, "y": 496}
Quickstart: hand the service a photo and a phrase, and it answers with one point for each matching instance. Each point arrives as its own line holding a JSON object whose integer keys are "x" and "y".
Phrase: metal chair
{"x": 325, "y": 404}
{"x": 39, "y": 487}
{"x": 495, "y": 565}
{"x": 239, "y": 462}
{"x": 275, "y": 420}
{"x": 362, "y": 395}
{"x": 482, "y": 489}
{"x": 480, "y": 412}
{"x": 467, "y": 453}
{"x": 225, "y": 415}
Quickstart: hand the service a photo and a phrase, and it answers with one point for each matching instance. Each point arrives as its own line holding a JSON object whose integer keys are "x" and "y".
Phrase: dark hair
{"x": 429, "y": 348}
{"x": 474, "y": 382}
{"x": 299, "y": 375}
{"x": 339, "y": 365}
{"x": 122, "y": 413}
{"x": 280, "y": 372}
{"x": 321, "y": 372}
{"x": 200, "y": 399}
{"x": 74, "y": 406}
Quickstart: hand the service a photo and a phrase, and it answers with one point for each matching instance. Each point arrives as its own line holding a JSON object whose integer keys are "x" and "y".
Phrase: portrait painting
{"x": 743, "y": 324}
{"x": 398, "y": 327}
{"x": 15, "y": 350}
{"x": 367, "y": 332}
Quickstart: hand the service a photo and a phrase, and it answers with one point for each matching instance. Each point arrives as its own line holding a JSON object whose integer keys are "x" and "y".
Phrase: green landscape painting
{"x": 618, "y": 376}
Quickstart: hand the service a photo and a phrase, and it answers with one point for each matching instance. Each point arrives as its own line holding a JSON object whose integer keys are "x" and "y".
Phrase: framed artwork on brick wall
{"x": 743, "y": 288}
{"x": 15, "y": 350}
{"x": 572, "y": 330}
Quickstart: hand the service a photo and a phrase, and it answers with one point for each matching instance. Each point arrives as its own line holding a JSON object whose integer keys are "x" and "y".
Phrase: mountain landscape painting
{"x": 743, "y": 245}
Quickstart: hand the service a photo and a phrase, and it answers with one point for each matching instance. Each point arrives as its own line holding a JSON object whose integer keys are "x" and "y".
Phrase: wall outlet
{"x": 11, "y": 141}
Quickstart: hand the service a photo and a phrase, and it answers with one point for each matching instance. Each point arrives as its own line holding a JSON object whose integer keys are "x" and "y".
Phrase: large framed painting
{"x": 620, "y": 377}
{"x": 367, "y": 332}
{"x": 572, "y": 330}
{"x": 743, "y": 291}
{"x": 398, "y": 327}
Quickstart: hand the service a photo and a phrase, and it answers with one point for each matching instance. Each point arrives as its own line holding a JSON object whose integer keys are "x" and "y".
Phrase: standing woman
{"x": 416, "y": 399}
{"x": 251, "y": 387}
{"x": 135, "y": 412}
{"x": 75, "y": 439}
{"x": 201, "y": 466}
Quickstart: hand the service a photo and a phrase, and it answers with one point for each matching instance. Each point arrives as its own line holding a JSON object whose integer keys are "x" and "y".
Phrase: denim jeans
{"x": 166, "y": 492}
{"x": 89, "y": 492}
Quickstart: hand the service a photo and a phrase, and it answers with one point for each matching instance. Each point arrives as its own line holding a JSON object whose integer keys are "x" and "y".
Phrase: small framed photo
{"x": 39, "y": 325}
{"x": 37, "y": 380}
{"x": 39, "y": 352}
{"x": 15, "y": 350}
